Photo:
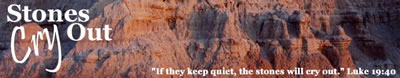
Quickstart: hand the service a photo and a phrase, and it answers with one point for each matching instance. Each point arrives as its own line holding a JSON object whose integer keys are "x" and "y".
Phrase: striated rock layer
{"x": 215, "y": 34}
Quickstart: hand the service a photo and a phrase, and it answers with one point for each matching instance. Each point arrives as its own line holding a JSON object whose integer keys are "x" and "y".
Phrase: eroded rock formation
{"x": 212, "y": 34}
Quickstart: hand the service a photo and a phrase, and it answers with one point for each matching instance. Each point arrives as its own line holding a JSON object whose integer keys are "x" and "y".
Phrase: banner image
{"x": 199, "y": 38}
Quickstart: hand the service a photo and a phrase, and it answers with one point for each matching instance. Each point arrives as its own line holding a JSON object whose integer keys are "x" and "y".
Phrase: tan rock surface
{"x": 212, "y": 34}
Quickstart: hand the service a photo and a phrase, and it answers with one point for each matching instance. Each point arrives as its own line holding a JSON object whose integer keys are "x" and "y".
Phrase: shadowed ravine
{"x": 212, "y": 34}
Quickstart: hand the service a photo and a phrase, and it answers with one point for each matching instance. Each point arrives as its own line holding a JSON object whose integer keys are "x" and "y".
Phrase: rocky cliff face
{"x": 212, "y": 34}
